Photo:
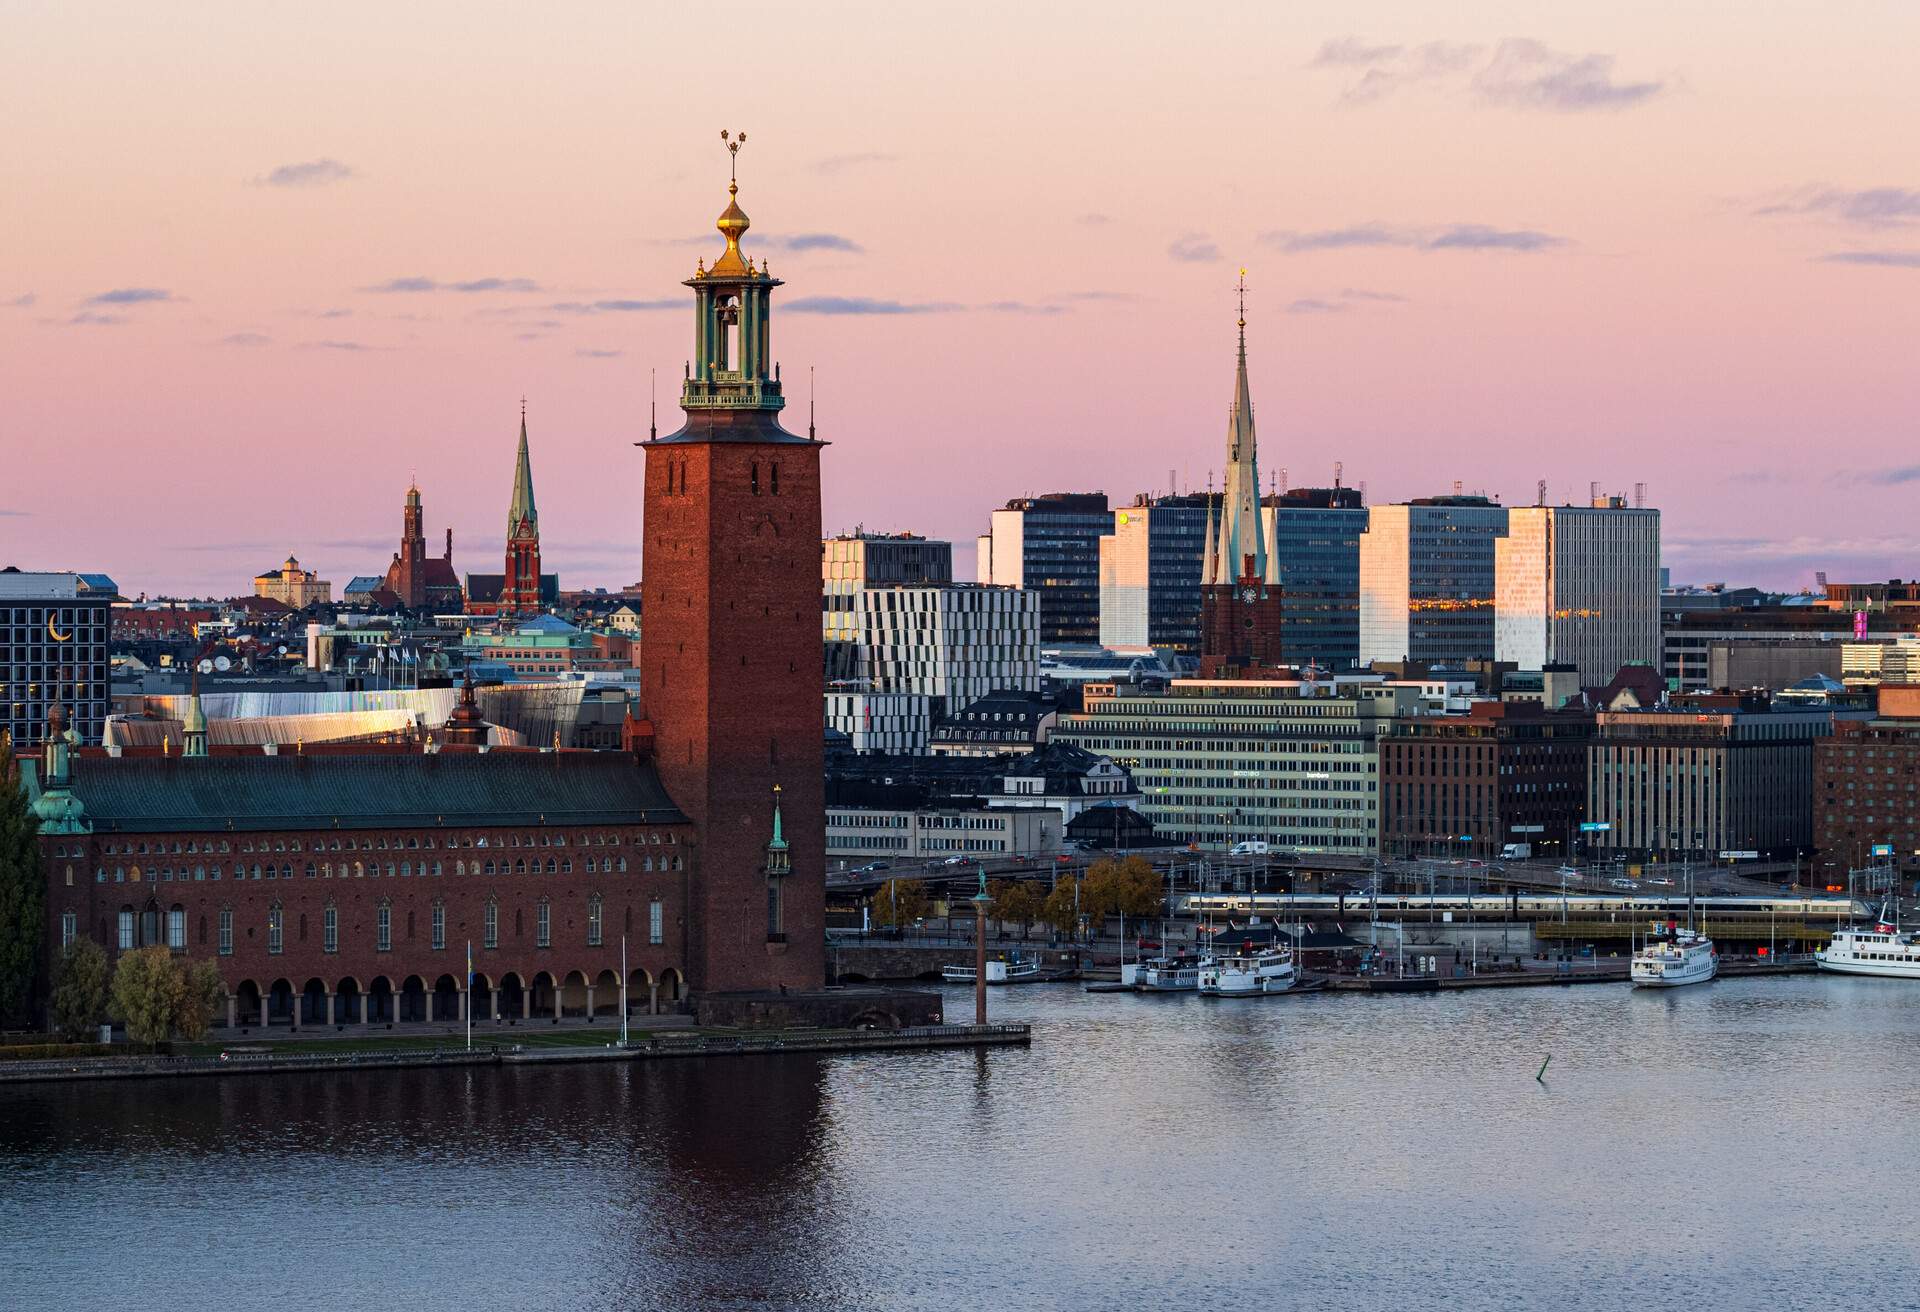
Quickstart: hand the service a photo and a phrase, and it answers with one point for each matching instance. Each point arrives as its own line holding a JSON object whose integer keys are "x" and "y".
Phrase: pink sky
{"x": 1492, "y": 243}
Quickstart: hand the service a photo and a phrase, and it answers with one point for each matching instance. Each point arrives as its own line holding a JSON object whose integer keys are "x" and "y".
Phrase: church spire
{"x": 522, "y": 507}
{"x": 1240, "y": 551}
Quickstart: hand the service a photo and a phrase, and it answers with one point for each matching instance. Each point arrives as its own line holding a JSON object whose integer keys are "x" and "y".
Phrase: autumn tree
{"x": 23, "y": 891}
{"x": 899, "y": 902}
{"x": 1130, "y": 888}
{"x": 146, "y": 994}
{"x": 1015, "y": 902}
{"x": 1063, "y": 907}
{"x": 200, "y": 992}
{"x": 79, "y": 996}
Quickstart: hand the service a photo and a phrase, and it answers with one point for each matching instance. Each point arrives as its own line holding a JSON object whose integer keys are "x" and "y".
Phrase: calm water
{"x": 1329, "y": 1152}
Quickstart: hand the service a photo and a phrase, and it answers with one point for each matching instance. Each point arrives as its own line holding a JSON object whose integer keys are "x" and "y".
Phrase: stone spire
{"x": 1241, "y": 547}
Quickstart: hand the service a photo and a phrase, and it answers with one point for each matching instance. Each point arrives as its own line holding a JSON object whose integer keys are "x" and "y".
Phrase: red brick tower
{"x": 408, "y": 579}
{"x": 730, "y": 645}
{"x": 520, "y": 586}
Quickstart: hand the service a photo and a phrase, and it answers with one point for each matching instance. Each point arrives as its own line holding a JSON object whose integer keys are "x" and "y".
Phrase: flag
{"x": 469, "y": 965}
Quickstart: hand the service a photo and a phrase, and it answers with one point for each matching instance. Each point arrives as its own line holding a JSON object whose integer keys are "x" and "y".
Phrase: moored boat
{"x": 1269, "y": 970}
{"x": 1880, "y": 949}
{"x": 1168, "y": 974}
{"x": 1681, "y": 956}
{"x": 1011, "y": 969}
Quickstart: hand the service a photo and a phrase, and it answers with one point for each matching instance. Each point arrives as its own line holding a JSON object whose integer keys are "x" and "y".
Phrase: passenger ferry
{"x": 1881, "y": 950}
{"x": 1682, "y": 957}
{"x": 1176, "y": 974}
{"x": 1269, "y": 970}
{"x": 1014, "y": 969}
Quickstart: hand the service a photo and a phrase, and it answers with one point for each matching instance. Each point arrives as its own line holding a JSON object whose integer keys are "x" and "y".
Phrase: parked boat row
{"x": 1881, "y": 949}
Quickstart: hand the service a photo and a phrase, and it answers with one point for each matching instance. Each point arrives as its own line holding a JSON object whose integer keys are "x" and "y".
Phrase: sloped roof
{"x": 178, "y": 794}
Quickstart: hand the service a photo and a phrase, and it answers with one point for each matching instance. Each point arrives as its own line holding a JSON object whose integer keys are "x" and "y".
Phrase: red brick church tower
{"x": 1240, "y": 606}
{"x": 731, "y": 646}
{"x": 520, "y": 586}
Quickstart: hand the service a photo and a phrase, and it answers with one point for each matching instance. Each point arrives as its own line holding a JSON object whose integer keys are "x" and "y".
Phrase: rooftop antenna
{"x": 1540, "y": 493}
{"x": 1283, "y": 478}
{"x": 1457, "y": 485}
{"x": 1363, "y": 491}
{"x": 653, "y": 405}
{"x": 1339, "y": 468}
{"x": 810, "y": 436}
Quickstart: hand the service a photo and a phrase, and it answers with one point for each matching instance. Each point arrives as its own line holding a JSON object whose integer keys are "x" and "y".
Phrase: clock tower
{"x": 731, "y": 642}
{"x": 1240, "y": 612}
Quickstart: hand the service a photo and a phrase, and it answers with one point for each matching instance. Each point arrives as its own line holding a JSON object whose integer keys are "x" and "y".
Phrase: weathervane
{"x": 734, "y": 142}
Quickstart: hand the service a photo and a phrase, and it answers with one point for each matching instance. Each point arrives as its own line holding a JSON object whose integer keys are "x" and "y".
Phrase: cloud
{"x": 1877, "y": 259}
{"x": 311, "y": 173}
{"x": 471, "y": 285}
{"x": 1870, "y": 207}
{"x": 21, "y": 302}
{"x": 1893, "y": 476}
{"x": 335, "y": 345}
{"x": 1022, "y": 307}
{"x": 1193, "y": 248}
{"x": 1451, "y": 237}
{"x": 819, "y": 241}
{"x": 1361, "y": 294}
{"x": 839, "y": 163}
{"x": 1312, "y": 305}
{"x": 1526, "y": 74}
{"x": 245, "y": 339}
{"x": 1099, "y": 296}
{"x": 865, "y": 305}
{"x": 16, "y": 514}
{"x": 588, "y": 353}
{"x": 1092, "y": 220}
{"x": 131, "y": 296}
{"x": 1518, "y": 73}
{"x": 93, "y": 317}
{"x": 615, "y": 306}
{"x": 1351, "y": 51}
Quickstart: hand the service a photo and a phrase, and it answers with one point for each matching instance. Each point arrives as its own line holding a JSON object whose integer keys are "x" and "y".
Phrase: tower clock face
{"x": 1248, "y": 594}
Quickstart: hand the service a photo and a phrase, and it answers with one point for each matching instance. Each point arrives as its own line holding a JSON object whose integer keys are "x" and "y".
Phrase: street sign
{"x": 1529, "y": 829}
{"x": 1883, "y": 849}
{"x": 1739, "y": 856}
{"x": 1595, "y": 826}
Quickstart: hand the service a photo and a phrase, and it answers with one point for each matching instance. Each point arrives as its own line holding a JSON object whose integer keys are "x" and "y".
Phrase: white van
{"x": 1252, "y": 847}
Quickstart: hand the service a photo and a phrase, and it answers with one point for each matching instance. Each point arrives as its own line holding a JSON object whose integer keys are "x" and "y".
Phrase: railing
{"x": 253, "y": 1061}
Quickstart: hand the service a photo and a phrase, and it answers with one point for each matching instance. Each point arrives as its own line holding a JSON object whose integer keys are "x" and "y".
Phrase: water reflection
{"x": 1335, "y": 1151}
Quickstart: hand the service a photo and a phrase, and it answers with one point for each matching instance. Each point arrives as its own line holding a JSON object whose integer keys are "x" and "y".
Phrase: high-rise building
{"x": 731, "y": 650}
{"x": 1580, "y": 586}
{"x": 420, "y": 581}
{"x": 1313, "y": 542}
{"x": 1150, "y": 566}
{"x": 852, "y": 562}
{"x": 1427, "y": 580}
{"x": 1051, "y": 545}
{"x": 54, "y": 634}
{"x": 952, "y": 643}
{"x": 1240, "y": 617}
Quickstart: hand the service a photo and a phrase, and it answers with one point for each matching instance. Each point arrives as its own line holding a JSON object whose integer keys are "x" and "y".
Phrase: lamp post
{"x": 980, "y": 901}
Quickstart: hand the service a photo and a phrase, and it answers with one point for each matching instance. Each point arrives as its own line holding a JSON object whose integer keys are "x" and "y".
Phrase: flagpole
{"x": 469, "y": 995}
{"x": 623, "y": 990}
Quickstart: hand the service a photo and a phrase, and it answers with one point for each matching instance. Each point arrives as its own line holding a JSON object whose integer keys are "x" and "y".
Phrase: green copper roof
{"x": 522, "y": 506}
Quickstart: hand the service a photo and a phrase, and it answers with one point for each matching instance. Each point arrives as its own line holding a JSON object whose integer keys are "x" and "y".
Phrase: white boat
{"x": 1269, "y": 970}
{"x": 1681, "y": 957}
{"x": 1014, "y": 969}
{"x": 1877, "y": 950}
{"x": 1168, "y": 975}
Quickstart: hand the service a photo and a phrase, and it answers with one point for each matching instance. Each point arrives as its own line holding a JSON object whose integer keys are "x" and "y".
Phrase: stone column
{"x": 653, "y": 997}
{"x": 526, "y": 1001}
{"x": 493, "y": 1004}
{"x": 462, "y": 995}
{"x": 329, "y": 1007}
{"x": 558, "y": 992}
{"x": 589, "y": 1004}
{"x": 233, "y": 1012}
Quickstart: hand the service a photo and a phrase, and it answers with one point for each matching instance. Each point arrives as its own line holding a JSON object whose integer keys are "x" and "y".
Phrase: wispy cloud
{"x": 309, "y": 173}
{"x": 1362, "y": 294}
{"x": 1450, "y": 237}
{"x": 1313, "y": 305}
{"x": 819, "y": 241}
{"x": 1526, "y": 74}
{"x": 1193, "y": 248}
{"x": 336, "y": 345}
{"x": 245, "y": 339}
{"x": 840, "y": 163}
{"x": 16, "y": 514}
{"x": 132, "y": 296}
{"x": 94, "y": 317}
{"x": 1023, "y": 307}
{"x": 1876, "y": 259}
{"x": 1093, "y": 220}
{"x": 865, "y": 305}
{"x": 1890, "y": 476}
{"x": 417, "y": 284}
{"x": 1869, "y": 207}
{"x": 1517, "y": 73}
{"x": 615, "y": 306}
{"x": 589, "y": 353}
{"x": 22, "y": 301}
{"x": 1099, "y": 296}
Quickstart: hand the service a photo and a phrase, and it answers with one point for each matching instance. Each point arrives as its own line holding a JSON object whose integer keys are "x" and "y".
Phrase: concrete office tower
{"x": 1580, "y": 586}
{"x": 1427, "y": 579}
{"x": 1051, "y": 545}
{"x": 1150, "y": 574}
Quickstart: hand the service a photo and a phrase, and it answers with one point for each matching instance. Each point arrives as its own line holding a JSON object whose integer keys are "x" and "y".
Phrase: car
{"x": 1567, "y": 870}
{"x": 871, "y": 867}
{"x": 1663, "y": 883}
{"x": 955, "y": 861}
{"x": 1622, "y": 883}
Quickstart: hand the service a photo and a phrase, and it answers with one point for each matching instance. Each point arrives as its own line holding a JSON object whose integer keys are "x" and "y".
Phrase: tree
{"x": 79, "y": 997}
{"x": 1131, "y": 887}
{"x": 23, "y": 891}
{"x": 900, "y": 902}
{"x": 1062, "y": 907}
{"x": 149, "y": 991}
{"x": 1015, "y": 901}
{"x": 201, "y": 989}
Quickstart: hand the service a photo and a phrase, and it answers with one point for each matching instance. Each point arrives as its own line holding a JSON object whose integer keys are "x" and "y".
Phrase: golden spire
{"x": 733, "y": 222}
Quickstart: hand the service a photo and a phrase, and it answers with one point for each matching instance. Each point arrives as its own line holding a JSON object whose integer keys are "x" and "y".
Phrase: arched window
{"x": 593, "y": 865}
{"x": 126, "y": 929}
{"x": 276, "y": 922}
{"x": 593, "y": 921}
{"x": 226, "y": 931}
{"x": 383, "y": 927}
{"x": 69, "y": 928}
{"x": 439, "y": 924}
{"x": 656, "y": 922}
{"x": 459, "y": 868}
{"x": 755, "y": 478}
{"x": 490, "y": 925}
{"x": 543, "y": 924}
{"x": 177, "y": 928}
